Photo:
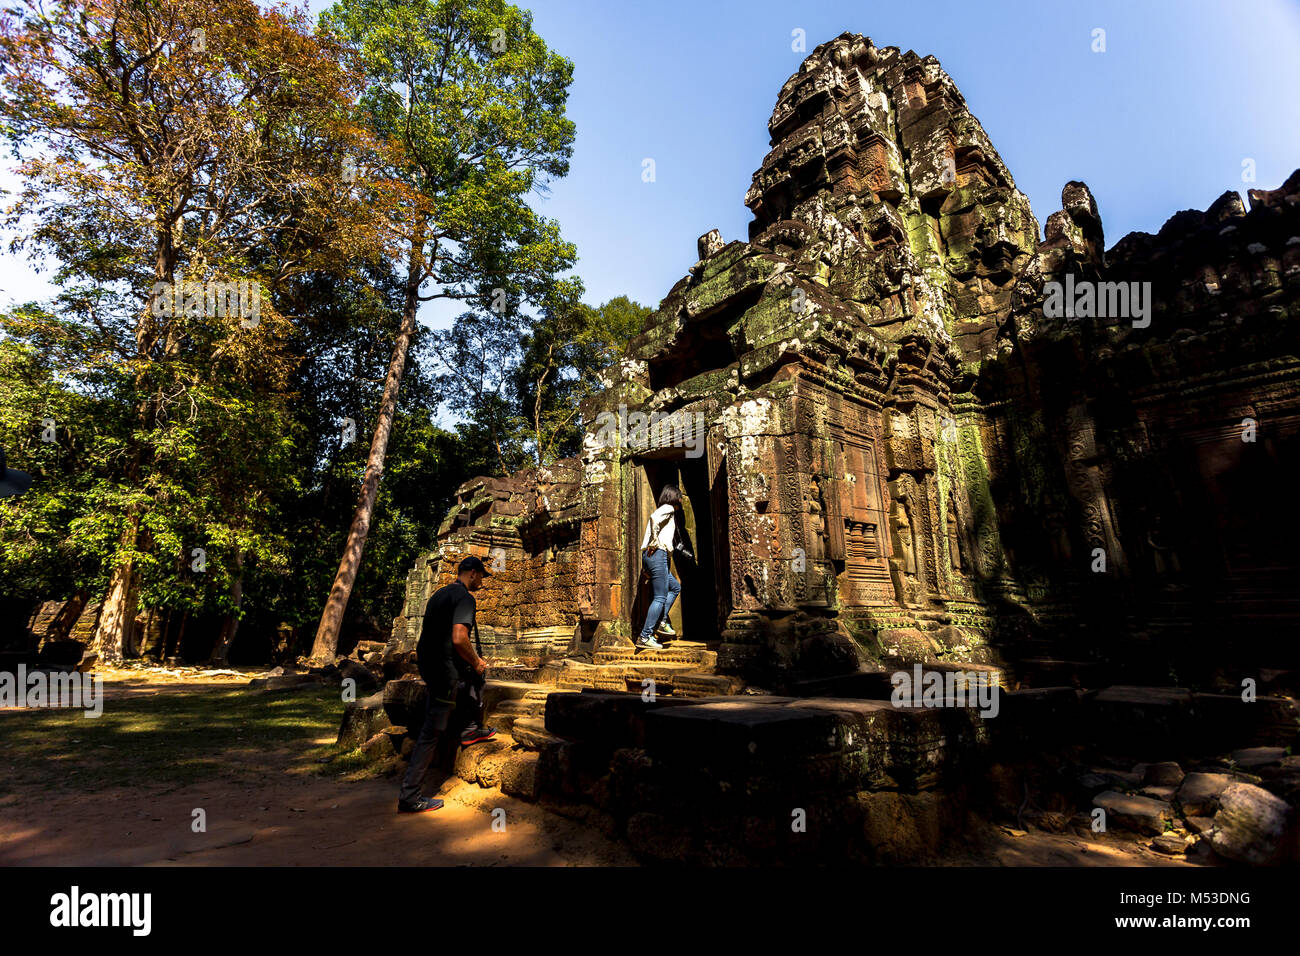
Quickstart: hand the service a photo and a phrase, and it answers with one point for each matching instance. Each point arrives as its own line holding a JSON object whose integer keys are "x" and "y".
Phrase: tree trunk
{"x": 159, "y": 649}
{"x": 141, "y": 638}
{"x": 326, "y": 643}
{"x": 117, "y": 614}
{"x": 115, "y": 631}
{"x": 221, "y": 652}
{"x": 67, "y": 617}
{"x": 174, "y": 649}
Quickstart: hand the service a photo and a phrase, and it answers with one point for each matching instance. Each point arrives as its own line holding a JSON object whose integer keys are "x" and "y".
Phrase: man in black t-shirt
{"x": 451, "y": 667}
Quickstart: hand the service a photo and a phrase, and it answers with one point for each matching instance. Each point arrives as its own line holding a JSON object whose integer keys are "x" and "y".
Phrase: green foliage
{"x": 471, "y": 102}
{"x": 177, "y": 432}
{"x": 561, "y": 362}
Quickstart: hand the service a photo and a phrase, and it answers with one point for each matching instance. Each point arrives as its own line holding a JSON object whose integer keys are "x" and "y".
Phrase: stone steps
{"x": 516, "y": 695}
{"x": 531, "y": 732}
{"x": 624, "y": 667}
{"x": 517, "y": 673}
{"x": 692, "y": 652}
{"x": 1050, "y": 671}
{"x": 707, "y": 685}
{"x": 631, "y": 676}
{"x": 507, "y": 712}
{"x": 508, "y": 702}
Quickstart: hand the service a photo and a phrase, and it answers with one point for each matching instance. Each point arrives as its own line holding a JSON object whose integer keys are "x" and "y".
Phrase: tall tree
{"x": 169, "y": 142}
{"x": 471, "y": 103}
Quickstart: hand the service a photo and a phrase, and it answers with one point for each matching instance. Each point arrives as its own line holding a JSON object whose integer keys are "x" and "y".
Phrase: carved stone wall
{"x": 525, "y": 530}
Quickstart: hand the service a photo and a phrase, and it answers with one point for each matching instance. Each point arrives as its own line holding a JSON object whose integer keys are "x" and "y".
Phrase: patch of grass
{"x": 352, "y": 764}
{"x": 169, "y": 739}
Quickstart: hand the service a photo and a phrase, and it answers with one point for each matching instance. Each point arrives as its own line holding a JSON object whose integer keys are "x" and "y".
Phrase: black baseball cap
{"x": 473, "y": 564}
{"x": 12, "y": 482}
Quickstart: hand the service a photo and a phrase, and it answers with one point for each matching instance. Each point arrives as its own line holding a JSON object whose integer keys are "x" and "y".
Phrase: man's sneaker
{"x": 665, "y": 629}
{"x": 422, "y": 805}
{"x": 649, "y": 643}
{"x": 475, "y": 735}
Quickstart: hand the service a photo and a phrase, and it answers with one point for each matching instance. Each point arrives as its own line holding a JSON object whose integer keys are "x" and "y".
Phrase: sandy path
{"x": 291, "y": 820}
{"x": 278, "y": 815}
{"x": 302, "y": 820}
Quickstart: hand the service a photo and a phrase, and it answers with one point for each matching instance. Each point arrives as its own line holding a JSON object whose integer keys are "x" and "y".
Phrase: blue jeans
{"x": 665, "y": 588}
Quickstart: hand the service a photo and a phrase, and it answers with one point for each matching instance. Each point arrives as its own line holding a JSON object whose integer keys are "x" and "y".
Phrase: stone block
{"x": 1027, "y": 718}
{"x": 1251, "y": 825}
{"x": 361, "y": 676}
{"x": 1255, "y": 758}
{"x": 659, "y": 837}
{"x": 519, "y": 775}
{"x": 608, "y": 718}
{"x": 1140, "y": 814}
{"x": 404, "y": 700}
{"x": 362, "y": 719}
{"x": 739, "y": 731}
{"x": 1170, "y": 844}
{"x": 491, "y": 766}
{"x": 1199, "y": 794}
{"x": 1147, "y": 720}
{"x": 1164, "y": 774}
{"x": 1226, "y": 721}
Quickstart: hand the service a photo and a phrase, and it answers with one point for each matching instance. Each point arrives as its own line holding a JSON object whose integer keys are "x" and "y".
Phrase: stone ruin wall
{"x": 525, "y": 528}
{"x": 906, "y": 460}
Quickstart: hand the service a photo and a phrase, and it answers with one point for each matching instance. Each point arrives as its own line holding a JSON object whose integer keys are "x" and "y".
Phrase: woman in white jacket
{"x": 660, "y": 532}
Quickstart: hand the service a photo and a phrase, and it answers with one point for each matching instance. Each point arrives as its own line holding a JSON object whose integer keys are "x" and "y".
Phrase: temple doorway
{"x": 696, "y": 613}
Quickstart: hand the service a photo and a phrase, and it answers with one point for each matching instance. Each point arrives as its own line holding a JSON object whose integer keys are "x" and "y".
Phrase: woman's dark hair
{"x": 670, "y": 496}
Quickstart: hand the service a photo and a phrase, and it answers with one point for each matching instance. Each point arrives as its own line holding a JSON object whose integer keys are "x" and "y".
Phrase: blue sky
{"x": 1161, "y": 121}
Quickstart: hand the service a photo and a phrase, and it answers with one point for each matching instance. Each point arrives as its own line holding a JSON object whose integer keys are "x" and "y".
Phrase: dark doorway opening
{"x": 695, "y": 615}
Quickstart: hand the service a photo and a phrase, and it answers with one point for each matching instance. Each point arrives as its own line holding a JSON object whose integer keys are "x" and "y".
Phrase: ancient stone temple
{"x": 907, "y": 429}
{"x": 911, "y": 436}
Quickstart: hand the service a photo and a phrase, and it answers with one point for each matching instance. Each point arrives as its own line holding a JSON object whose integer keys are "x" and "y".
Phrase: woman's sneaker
{"x": 665, "y": 629}
{"x": 649, "y": 643}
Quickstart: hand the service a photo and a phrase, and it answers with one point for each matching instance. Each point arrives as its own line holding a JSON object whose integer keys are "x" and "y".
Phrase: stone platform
{"x": 753, "y": 778}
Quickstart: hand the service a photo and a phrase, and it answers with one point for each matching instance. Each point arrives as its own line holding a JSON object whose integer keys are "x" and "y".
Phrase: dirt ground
{"x": 300, "y": 821}
{"x": 274, "y": 813}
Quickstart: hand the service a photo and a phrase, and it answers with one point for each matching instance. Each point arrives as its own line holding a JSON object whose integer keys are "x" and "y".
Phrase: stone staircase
{"x": 515, "y": 695}
{"x": 681, "y": 669}
{"x": 1266, "y": 600}
{"x": 517, "y": 711}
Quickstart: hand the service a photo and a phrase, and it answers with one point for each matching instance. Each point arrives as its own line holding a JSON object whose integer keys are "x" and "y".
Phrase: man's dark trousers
{"x": 467, "y": 697}
{"x": 438, "y": 707}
